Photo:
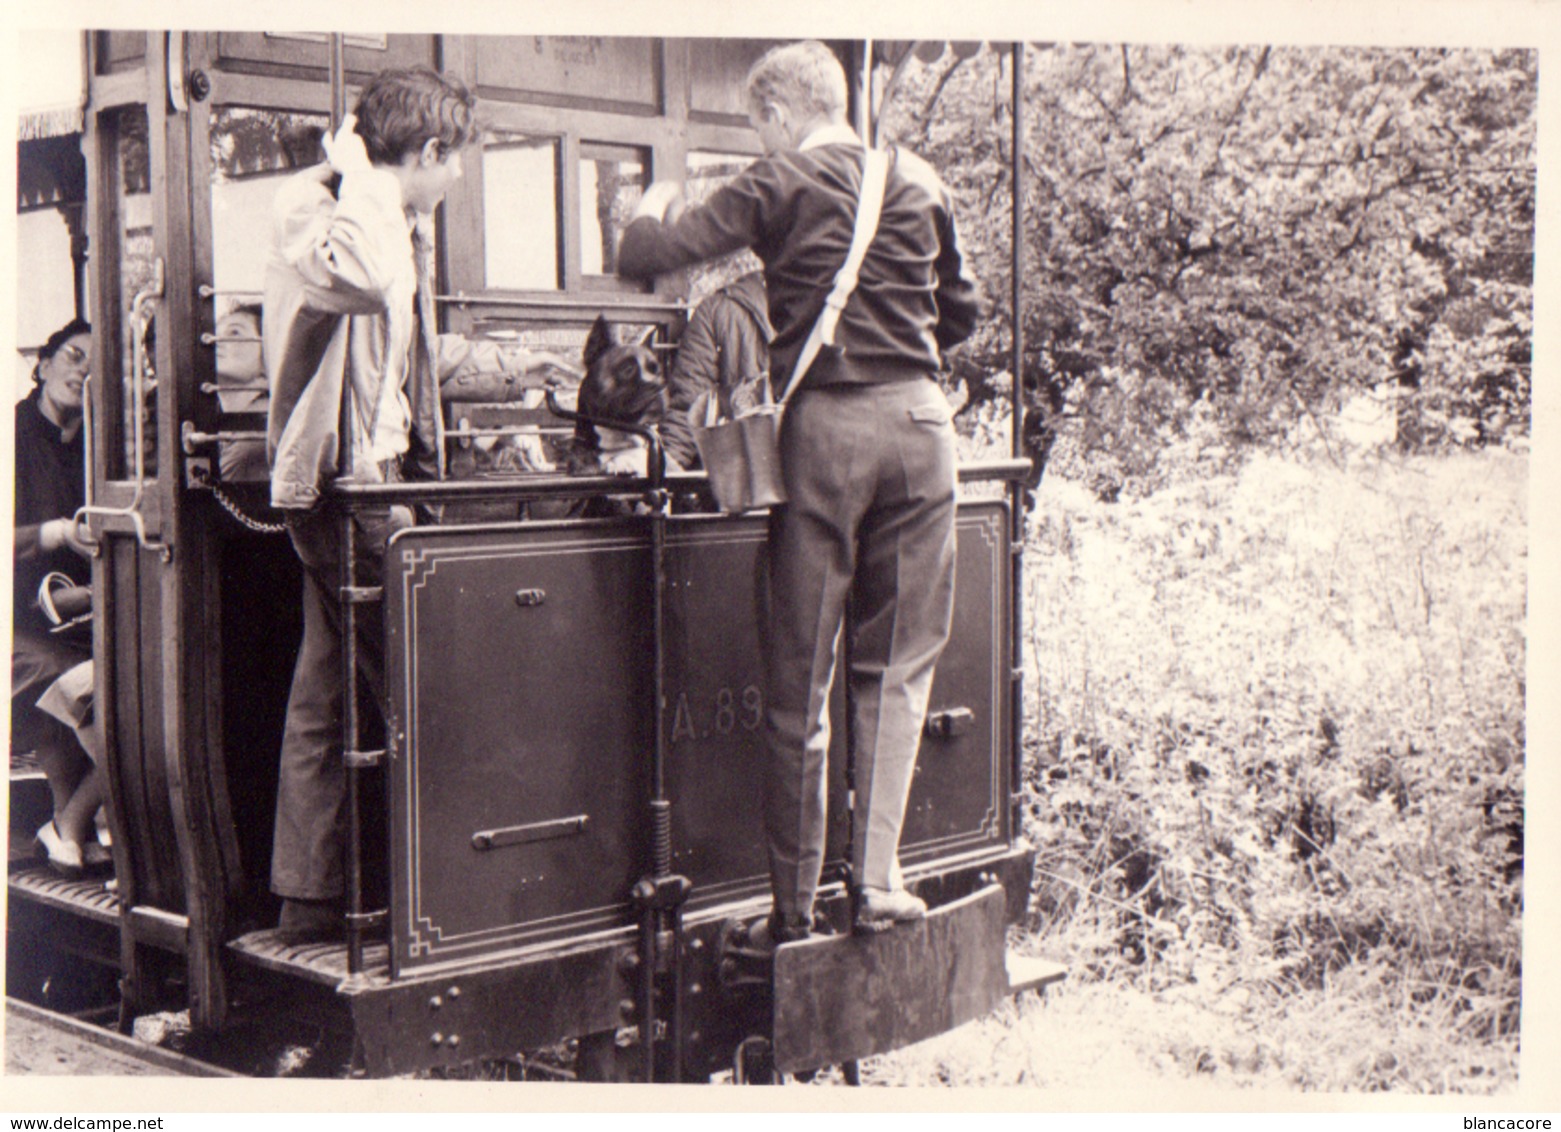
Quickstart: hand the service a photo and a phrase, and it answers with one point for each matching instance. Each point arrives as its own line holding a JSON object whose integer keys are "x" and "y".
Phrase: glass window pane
{"x": 520, "y": 212}
{"x": 133, "y": 206}
{"x": 253, "y": 150}
{"x": 46, "y": 295}
{"x": 612, "y": 179}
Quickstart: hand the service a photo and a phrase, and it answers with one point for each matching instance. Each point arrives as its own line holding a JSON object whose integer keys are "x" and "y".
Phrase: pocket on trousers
{"x": 931, "y": 414}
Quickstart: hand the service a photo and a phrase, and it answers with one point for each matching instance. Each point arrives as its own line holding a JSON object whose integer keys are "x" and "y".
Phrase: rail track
{"x": 41, "y": 1041}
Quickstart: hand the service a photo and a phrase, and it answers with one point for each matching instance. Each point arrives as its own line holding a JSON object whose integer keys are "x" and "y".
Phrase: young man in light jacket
{"x": 357, "y": 371}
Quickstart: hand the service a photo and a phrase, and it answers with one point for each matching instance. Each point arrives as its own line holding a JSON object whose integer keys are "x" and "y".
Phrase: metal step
{"x": 840, "y": 998}
{"x": 1027, "y": 972}
{"x": 324, "y": 963}
{"x": 90, "y": 897}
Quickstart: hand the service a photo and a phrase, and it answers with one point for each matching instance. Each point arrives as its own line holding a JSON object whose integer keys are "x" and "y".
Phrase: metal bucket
{"x": 741, "y": 456}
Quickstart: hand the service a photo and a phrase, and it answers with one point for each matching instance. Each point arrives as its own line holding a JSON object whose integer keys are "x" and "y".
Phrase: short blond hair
{"x": 804, "y": 77}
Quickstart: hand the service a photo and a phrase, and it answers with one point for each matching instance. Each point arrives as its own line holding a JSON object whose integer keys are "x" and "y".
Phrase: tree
{"x": 1258, "y": 231}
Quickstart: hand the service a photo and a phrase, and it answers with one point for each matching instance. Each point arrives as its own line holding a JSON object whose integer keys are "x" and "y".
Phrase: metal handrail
{"x": 595, "y": 302}
{"x": 1017, "y": 487}
{"x": 140, "y": 320}
{"x": 659, "y": 894}
{"x": 555, "y": 485}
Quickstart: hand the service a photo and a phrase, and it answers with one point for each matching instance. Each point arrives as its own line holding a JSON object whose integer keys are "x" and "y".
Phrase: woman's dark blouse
{"x": 50, "y": 484}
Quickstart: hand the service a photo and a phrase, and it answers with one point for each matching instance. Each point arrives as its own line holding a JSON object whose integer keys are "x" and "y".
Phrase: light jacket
{"x": 348, "y": 307}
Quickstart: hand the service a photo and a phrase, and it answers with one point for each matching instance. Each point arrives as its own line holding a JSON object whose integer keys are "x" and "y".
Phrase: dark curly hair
{"x": 55, "y": 341}
{"x": 403, "y": 108}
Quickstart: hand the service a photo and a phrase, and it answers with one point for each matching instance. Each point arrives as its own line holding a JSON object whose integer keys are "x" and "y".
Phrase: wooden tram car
{"x": 558, "y": 834}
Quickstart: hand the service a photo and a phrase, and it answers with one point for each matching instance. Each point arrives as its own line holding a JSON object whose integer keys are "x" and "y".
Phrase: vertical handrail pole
{"x": 660, "y": 503}
{"x": 348, "y": 621}
{"x": 659, "y": 894}
{"x": 1016, "y": 489}
{"x": 660, "y": 806}
{"x": 338, "y": 80}
{"x": 349, "y": 732}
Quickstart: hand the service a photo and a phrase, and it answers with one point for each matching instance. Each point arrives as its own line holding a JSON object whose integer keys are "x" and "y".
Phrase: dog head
{"x": 622, "y": 383}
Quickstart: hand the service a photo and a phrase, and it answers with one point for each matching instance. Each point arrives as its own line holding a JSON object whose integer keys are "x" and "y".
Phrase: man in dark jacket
{"x": 867, "y": 448}
{"x": 726, "y": 343}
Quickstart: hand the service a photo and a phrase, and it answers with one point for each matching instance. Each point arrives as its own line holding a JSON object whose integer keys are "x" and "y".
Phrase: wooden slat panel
{"x": 583, "y": 70}
{"x": 281, "y": 52}
{"x": 122, "y": 661}
{"x": 168, "y": 930}
{"x": 86, "y": 897}
{"x": 717, "y": 70}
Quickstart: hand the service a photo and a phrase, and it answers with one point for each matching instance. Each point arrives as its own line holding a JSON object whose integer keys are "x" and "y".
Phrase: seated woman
{"x": 48, "y": 552}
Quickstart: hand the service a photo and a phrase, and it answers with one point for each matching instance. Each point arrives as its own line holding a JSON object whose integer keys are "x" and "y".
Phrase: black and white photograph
{"x": 919, "y": 559}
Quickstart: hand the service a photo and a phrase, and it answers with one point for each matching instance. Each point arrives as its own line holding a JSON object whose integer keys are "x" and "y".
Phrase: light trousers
{"x": 870, "y": 473}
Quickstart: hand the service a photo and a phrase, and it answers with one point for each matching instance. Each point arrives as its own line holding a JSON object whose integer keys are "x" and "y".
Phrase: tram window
{"x": 520, "y": 436}
{"x": 126, "y": 131}
{"x": 520, "y": 176}
{"x": 612, "y": 179}
{"x": 252, "y": 151}
{"x": 706, "y": 172}
{"x": 46, "y": 294}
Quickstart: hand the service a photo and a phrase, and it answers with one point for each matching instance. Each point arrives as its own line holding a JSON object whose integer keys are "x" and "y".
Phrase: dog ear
{"x": 647, "y": 338}
{"x": 598, "y": 342}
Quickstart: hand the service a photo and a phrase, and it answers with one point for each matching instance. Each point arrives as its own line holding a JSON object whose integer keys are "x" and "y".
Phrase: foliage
{"x": 1260, "y": 230}
{"x": 1277, "y": 754}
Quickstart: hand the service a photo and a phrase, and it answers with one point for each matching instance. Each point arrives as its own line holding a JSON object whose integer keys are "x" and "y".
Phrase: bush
{"x": 1277, "y": 739}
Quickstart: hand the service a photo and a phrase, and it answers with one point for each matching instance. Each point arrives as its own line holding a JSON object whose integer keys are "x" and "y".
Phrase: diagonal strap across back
{"x": 875, "y": 174}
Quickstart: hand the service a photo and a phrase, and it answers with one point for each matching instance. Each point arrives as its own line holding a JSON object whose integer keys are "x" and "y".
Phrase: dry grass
{"x": 1277, "y": 779}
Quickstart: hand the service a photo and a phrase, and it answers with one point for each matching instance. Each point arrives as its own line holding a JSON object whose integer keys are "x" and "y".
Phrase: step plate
{"x": 89, "y": 897}
{"x": 842, "y": 998}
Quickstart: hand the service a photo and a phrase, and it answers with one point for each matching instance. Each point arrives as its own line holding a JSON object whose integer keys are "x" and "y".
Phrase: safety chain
{"x": 232, "y": 507}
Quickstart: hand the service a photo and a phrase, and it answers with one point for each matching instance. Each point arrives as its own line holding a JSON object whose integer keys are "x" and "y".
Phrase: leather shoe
{"x": 769, "y": 932}
{"x": 879, "y": 909}
{"x": 311, "y": 921}
{"x": 64, "y": 856}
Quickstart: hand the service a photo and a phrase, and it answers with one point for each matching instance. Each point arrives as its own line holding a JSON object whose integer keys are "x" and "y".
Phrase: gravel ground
{"x": 37, "y": 1048}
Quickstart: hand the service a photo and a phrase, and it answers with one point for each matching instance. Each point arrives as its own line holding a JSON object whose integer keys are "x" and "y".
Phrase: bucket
{"x": 741, "y": 456}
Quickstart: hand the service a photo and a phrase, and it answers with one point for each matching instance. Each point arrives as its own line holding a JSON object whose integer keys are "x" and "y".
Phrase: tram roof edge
{"x": 49, "y": 122}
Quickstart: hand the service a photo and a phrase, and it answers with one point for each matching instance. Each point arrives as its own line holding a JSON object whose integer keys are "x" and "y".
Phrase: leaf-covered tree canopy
{"x": 1264, "y": 230}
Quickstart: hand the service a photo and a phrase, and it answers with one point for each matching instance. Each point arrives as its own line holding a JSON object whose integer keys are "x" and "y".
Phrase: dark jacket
{"x": 726, "y": 342}
{"x": 50, "y": 484}
{"x": 796, "y": 210}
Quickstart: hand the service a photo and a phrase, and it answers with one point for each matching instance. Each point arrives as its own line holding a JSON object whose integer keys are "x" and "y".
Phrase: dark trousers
{"x": 870, "y": 474}
{"x": 37, "y": 661}
{"x": 311, "y": 821}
